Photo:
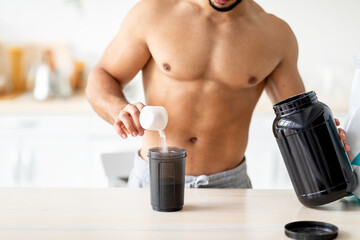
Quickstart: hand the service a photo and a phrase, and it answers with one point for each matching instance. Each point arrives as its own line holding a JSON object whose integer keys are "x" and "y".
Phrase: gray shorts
{"x": 234, "y": 178}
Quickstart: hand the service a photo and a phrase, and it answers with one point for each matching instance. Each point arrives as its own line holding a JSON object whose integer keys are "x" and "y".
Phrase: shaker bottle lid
{"x": 311, "y": 230}
{"x": 173, "y": 152}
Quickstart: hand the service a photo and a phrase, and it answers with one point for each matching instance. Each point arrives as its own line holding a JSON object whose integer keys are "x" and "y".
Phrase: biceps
{"x": 284, "y": 82}
{"x": 124, "y": 57}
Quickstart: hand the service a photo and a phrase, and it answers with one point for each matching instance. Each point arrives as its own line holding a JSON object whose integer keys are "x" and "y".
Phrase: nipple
{"x": 167, "y": 67}
{"x": 252, "y": 80}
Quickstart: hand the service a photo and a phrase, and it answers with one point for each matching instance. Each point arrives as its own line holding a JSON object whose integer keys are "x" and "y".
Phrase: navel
{"x": 252, "y": 80}
{"x": 193, "y": 139}
{"x": 167, "y": 67}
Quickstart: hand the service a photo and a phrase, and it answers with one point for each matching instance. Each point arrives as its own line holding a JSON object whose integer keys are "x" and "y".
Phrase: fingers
{"x": 124, "y": 128}
{"x": 347, "y": 147}
{"x": 134, "y": 111}
{"x": 139, "y": 105}
{"x": 342, "y": 134}
{"x": 128, "y": 121}
{"x": 119, "y": 130}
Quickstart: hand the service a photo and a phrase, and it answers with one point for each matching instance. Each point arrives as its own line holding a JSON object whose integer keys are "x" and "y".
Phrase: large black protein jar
{"x": 313, "y": 153}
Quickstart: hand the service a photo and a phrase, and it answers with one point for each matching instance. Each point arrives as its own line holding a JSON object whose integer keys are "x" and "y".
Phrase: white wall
{"x": 328, "y": 33}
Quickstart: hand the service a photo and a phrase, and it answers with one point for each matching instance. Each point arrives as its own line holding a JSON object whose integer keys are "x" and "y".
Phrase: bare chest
{"x": 236, "y": 56}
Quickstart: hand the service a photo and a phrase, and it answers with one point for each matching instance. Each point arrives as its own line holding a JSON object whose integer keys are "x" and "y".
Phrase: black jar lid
{"x": 295, "y": 103}
{"x": 172, "y": 153}
{"x": 311, "y": 230}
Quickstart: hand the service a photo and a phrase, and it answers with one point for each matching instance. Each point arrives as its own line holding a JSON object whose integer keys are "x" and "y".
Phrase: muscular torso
{"x": 208, "y": 72}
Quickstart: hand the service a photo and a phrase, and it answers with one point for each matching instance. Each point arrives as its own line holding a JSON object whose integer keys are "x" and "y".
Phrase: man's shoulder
{"x": 279, "y": 26}
{"x": 276, "y": 28}
{"x": 273, "y": 22}
{"x": 280, "y": 33}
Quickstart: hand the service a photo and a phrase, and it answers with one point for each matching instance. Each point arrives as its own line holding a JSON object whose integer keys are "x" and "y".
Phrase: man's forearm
{"x": 105, "y": 94}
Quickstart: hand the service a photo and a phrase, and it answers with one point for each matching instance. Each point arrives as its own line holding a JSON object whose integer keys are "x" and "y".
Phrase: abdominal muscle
{"x": 207, "y": 118}
{"x": 204, "y": 156}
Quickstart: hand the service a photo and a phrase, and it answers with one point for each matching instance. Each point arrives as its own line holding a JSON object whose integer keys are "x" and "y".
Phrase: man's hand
{"x": 342, "y": 134}
{"x": 127, "y": 121}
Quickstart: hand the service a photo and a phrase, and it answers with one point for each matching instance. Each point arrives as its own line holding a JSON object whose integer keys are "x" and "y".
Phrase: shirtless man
{"x": 207, "y": 62}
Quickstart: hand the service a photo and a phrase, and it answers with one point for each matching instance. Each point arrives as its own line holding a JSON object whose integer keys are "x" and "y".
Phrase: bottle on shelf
{"x": 17, "y": 69}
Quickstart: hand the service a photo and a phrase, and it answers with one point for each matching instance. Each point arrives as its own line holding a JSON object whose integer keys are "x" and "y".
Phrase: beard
{"x": 225, "y": 9}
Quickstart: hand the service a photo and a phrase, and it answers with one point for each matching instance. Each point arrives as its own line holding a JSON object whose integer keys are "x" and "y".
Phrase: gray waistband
{"x": 234, "y": 178}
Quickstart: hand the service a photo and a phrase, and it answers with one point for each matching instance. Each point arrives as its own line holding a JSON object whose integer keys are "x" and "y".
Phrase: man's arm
{"x": 125, "y": 56}
{"x": 285, "y": 80}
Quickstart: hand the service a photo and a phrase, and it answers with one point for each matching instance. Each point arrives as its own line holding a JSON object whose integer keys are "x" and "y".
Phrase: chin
{"x": 223, "y": 5}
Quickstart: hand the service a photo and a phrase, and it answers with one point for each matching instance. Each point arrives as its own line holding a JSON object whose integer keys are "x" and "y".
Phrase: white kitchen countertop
{"x": 122, "y": 213}
{"x": 25, "y": 103}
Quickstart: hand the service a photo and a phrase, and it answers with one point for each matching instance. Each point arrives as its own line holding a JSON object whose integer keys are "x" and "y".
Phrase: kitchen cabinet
{"x": 9, "y": 156}
{"x": 265, "y": 165}
{"x": 56, "y": 150}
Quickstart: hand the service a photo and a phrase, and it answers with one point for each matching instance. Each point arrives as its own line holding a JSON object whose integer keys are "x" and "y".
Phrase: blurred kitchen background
{"x": 50, "y": 136}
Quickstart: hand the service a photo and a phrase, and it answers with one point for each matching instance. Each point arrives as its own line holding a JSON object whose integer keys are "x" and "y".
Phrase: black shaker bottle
{"x": 167, "y": 178}
{"x": 313, "y": 153}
